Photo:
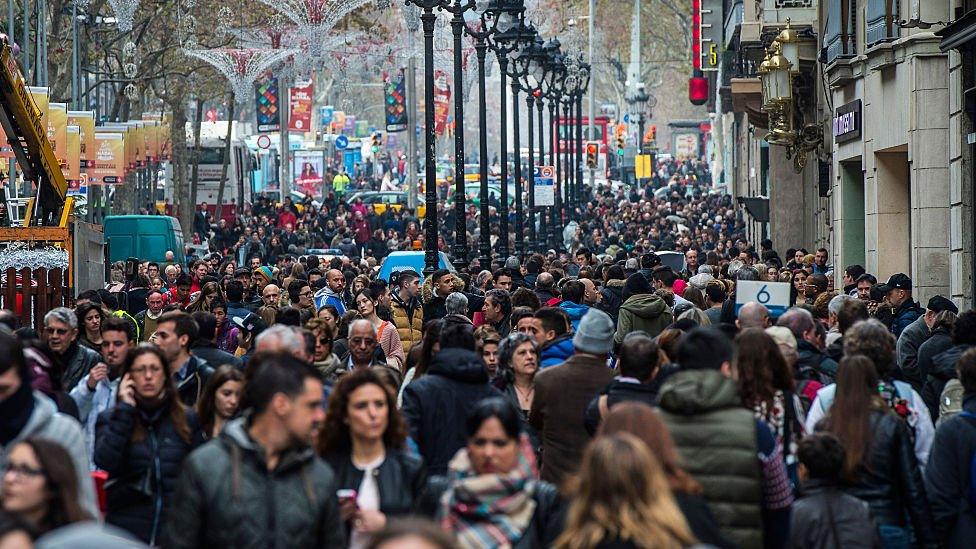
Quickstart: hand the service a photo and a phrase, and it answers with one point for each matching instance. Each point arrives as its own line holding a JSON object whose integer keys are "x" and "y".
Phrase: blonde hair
{"x": 623, "y": 495}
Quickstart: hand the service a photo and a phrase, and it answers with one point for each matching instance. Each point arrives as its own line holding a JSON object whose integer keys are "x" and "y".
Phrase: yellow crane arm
{"x": 21, "y": 121}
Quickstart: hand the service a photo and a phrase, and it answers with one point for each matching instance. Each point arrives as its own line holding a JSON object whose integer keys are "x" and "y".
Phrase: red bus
{"x": 567, "y": 131}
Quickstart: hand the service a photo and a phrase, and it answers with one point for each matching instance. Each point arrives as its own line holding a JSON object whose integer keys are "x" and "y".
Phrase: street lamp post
{"x": 457, "y": 8}
{"x": 428, "y": 19}
{"x": 584, "y": 84}
{"x": 518, "y": 71}
{"x": 640, "y": 99}
{"x": 506, "y": 40}
{"x": 556, "y": 73}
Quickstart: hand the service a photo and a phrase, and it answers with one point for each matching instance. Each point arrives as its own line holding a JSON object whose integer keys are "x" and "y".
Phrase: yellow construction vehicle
{"x": 47, "y": 221}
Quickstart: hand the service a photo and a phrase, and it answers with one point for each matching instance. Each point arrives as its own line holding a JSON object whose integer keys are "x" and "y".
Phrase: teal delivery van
{"x": 147, "y": 237}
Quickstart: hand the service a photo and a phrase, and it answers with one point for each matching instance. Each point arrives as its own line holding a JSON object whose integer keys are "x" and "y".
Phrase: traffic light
{"x": 621, "y": 144}
{"x": 377, "y": 141}
{"x": 653, "y": 132}
{"x": 592, "y": 151}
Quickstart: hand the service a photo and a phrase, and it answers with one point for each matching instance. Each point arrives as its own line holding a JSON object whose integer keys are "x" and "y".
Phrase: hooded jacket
{"x": 229, "y": 498}
{"x": 575, "y": 311}
{"x": 646, "y": 312}
{"x": 326, "y": 296}
{"x": 612, "y": 298}
{"x": 814, "y": 364}
{"x": 436, "y": 405}
{"x": 716, "y": 437}
{"x": 409, "y": 320}
{"x": 46, "y": 422}
{"x": 556, "y": 351}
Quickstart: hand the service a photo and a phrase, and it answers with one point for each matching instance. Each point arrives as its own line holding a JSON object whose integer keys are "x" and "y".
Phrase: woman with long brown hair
{"x": 642, "y": 421}
{"x": 363, "y": 439}
{"x": 141, "y": 443}
{"x": 40, "y": 485}
{"x": 880, "y": 466}
{"x": 623, "y": 500}
{"x": 220, "y": 400}
{"x": 766, "y": 387}
{"x": 209, "y": 294}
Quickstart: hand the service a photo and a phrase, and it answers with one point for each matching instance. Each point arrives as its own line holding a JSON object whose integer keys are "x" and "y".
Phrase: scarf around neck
{"x": 493, "y": 510}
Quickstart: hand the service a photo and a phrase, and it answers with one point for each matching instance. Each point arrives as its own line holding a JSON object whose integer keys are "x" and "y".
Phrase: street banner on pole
{"x": 300, "y": 108}
{"x": 442, "y": 101}
{"x": 72, "y": 168}
{"x": 545, "y": 186}
{"x": 268, "y": 109}
{"x": 109, "y": 158}
{"x": 396, "y": 107}
{"x": 85, "y": 120}
{"x": 642, "y": 166}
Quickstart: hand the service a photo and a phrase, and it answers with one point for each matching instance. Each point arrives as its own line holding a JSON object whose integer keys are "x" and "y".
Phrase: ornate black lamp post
{"x": 458, "y": 8}
{"x": 517, "y": 70}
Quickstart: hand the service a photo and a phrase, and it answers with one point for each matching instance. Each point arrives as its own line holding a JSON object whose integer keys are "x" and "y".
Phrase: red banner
{"x": 442, "y": 100}
{"x": 300, "y": 108}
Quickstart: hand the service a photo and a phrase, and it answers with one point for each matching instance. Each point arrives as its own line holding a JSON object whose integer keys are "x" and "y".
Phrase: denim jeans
{"x": 895, "y": 537}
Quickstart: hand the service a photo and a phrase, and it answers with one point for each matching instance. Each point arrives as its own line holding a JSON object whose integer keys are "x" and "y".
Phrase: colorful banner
{"x": 72, "y": 170}
{"x": 268, "y": 109}
{"x": 300, "y": 108}
{"x": 307, "y": 168}
{"x": 326, "y": 114}
{"x": 396, "y": 104}
{"x": 40, "y": 101}
{"x": 109, "y": 165}
{"x": 85, "y": 120}
{"x": 442, "y": 101}
{"x": 338, "y": 121}
{"x": 57, "y": 129}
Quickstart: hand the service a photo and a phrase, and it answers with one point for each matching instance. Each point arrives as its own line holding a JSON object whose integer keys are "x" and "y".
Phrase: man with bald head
{"x": 285, "y": 339}
{"x": 271, "y": 296}
{"x": 545, "y": 288}
{"x": 753, "y": 315}
{"x": 331, "y": 294}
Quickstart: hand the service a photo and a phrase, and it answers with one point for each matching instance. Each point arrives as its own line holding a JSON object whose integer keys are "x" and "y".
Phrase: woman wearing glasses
{"x": 40, "y": 486}
{"x": 141, "y": 444}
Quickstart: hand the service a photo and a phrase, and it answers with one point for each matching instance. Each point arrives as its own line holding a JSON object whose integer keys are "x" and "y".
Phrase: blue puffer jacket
{"x": 557, "y": 351}
{"x": 905, "y": 314}
{"x": 575, "y": 312}
{"x": 142, "y": 474}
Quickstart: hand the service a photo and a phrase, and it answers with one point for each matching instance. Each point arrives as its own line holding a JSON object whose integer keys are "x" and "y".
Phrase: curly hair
{"x": 761, "y": 367}
{"x": 820, "y": 305}
{"x": 872, "y": 339}
{"x": 335, "y": 436}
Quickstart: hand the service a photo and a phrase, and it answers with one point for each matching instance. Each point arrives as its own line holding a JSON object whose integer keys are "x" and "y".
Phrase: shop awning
{"x": 756, "y": 206}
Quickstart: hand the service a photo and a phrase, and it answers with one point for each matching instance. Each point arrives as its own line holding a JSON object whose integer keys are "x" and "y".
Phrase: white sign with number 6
{"x": 774, "y": 295}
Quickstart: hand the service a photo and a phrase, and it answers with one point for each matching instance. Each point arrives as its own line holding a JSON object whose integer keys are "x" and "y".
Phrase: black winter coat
{"x": 401, "y": 480}
{"x": 191, "y": 386}
{"x": 940, "y": 341}
{"x": 947, "y": 479}
{"x": 826, "y": 518}
{"x": 142, "y": 474}
{"x": 547, "y": 519}
{"x": 622, "y": 391}
{"x": 891, "y": 482}
{"x": 437, "y": 405}
{"x": 813, "y": 364}
{"x": 943, "y": 369}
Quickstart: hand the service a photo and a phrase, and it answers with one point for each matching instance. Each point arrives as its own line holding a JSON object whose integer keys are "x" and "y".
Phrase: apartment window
{"x": 839, "y": 30}
{"x": 880, "y": 22}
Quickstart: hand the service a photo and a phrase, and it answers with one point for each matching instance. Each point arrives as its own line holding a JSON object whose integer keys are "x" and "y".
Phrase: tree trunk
{"x": 191, "y": 205}
{"x": 227, "y": 151}
{"x": 177, "y": 135}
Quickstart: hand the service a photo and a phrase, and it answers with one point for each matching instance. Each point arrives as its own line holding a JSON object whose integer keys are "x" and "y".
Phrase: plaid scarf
{"x": 490, "y": 511}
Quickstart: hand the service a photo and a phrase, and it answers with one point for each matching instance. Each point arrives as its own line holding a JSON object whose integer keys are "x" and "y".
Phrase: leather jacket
{"x": 400, "y": 480}
{"x": 891, "y": 481}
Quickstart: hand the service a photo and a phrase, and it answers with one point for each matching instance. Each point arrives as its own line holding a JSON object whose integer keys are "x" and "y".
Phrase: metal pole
{"x": 530, "y": 172}
{"x": 460, "y": 221}
{"x": 503, "y": 209}
{"x": 484, "y": 245}
{"x": 578, "y": 189}
{"x": 542, "y": 162}
{"x": 75, "y": 91}
{"x": 431, "y": 259}
{"x": 591, "y": 133}
{"x": 568, "y": 134}
{"x": 412, "y": 128}
{"x": 554, "y": 157}
{"x": 11, "y": 23}
{"x": 43, "y": 41}
{"x": 25, "y": 48}
{"x": 517, "y": 149}
{"x": 284, "y": 185}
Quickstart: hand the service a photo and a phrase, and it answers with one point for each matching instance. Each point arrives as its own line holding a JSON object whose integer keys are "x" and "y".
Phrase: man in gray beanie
{"x": 562, "y": 393}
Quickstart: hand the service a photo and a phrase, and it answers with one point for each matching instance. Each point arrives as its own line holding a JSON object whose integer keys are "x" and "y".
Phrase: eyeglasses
{"x": 22, "y": 471}
{"x": 57, "y": 331}
{"x": 305, "y": 294}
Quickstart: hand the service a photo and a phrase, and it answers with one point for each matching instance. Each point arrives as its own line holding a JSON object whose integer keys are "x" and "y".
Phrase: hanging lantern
{"x": 789, "y": 41}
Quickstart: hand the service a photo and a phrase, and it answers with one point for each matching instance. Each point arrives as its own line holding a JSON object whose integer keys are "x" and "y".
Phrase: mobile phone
{"x": 346, "y": 494}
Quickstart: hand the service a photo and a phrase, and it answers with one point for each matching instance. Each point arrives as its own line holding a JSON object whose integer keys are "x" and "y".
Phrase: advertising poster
{"x": 326, "y": 115}
{"x": 442, "y": 101}
{"x": 268, "y": 107}
{"x": 57, "y": 128}
{"x": 307, "y": 168}
{"x": 396, "y": 104}
{"x": 40, "y": 101}
{"x": 85, "y": 120}
{"x": 109, "y": 159}
{"x": 300, "y": 105}
{"x": 338, "y": 121}
{"x": 350, "y": 125}
{"x": 545, "y": 186}
{"x": 72, "y": 170}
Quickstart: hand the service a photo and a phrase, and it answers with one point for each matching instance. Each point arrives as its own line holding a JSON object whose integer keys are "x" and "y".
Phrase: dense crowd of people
{"x": 584, "y": 397}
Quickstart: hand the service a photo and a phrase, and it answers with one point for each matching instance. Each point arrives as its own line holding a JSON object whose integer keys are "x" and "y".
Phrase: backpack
{"x": 950, "y": 401}
{"x": 971, "y": 490}
{"x": 807, "y": 389}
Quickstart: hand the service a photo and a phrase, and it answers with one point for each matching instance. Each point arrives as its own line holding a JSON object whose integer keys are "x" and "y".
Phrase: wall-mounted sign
{"x": 847, "y": 122}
